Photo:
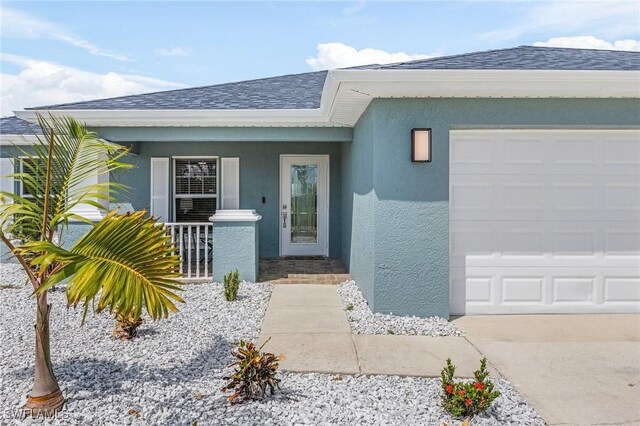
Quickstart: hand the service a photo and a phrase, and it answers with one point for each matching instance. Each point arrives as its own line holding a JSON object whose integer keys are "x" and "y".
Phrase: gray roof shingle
{"x": 303, "y": 91}
{"x": 17, "y": 126}
{"x": 295, "y": 91}
{"x": 530, "y": 58}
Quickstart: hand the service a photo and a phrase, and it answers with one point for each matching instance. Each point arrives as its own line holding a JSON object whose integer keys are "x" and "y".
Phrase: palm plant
{"x": 125, "y": 261}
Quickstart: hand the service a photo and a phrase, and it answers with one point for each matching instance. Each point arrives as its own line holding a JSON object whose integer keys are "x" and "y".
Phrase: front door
{"x": 304, "y": 205}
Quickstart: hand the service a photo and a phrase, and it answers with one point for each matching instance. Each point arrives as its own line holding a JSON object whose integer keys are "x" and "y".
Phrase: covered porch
{"x": 195, "y": 246}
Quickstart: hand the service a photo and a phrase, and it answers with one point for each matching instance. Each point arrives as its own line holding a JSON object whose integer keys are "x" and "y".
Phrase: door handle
{"x": 284, "y": 219}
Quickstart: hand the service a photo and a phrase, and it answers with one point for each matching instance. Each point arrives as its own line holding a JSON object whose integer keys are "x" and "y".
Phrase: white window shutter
{"x": 6, "y": 183}
{"x": 160, "y": 189}
{"x": 230, "y": 183}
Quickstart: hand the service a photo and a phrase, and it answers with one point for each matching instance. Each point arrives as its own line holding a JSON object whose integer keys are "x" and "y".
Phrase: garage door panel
{"x": 578, "y": 197}
{"x": 542, "y": 289}
{"x": 622, "y": 196}
{"x": 552, "y": 197}
{"x": 468, "y": 195}
{"x": 521, "y": 241}
{"x": 622, "y": 155}
{"x": 549, "y": 151}
{"x": 622, "y": 240}
{"x": 545, "y": 221}
{"x": 523, "y": 153}
{"x": 521, "y": 196}
{"x": 548, "y": 260}
{"x": 575, "y": 155}
{"x": 523, "y": 289}
{"x": 473, "y": 152}
{"x": 576, "y": 239}
{"x": 621, "y": 290}
{"x": 573, "y": 241}
{"x": 574, "y": 290}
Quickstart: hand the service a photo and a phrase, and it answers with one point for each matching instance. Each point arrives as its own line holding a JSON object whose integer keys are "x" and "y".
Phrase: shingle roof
{"x": 295, "y": 91}
{"x": 17, "y": 126}
{"x": 303, "y": 91}
{"x": 530, "y": 58}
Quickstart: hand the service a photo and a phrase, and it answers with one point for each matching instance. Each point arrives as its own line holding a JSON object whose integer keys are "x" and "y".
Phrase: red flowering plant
{"x": 467, "y": 398}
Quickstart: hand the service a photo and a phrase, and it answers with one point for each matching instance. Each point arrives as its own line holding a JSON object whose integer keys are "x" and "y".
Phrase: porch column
{"x": 235, "y": 244}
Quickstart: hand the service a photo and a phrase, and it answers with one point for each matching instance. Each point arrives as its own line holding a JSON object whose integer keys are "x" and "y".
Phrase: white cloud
{"x": 45, "y": 83}
{"x": 612, "y": 19}
{"x": 176, "y": 51}
{"x": 19, "y": 25}
{"x": 590, "y": 42}
{"x": 339, "y": 55}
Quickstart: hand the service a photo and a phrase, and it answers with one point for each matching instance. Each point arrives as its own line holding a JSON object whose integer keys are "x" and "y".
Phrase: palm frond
{"x": 127, "y": 261}
{"x": 77, "y": 155}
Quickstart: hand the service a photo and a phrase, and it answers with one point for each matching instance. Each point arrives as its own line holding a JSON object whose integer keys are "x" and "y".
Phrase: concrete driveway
{"x": 573, "y": 369}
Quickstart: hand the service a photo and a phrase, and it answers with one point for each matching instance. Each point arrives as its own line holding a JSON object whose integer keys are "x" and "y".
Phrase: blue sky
{"x": 65, "y": 51}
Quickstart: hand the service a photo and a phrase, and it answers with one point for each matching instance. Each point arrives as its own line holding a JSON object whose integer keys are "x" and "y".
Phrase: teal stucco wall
{"x": 358, "y": 201}
{"x": 259, "y": 167}
{"x": 395, "y": 214}
{"x": 259, "y": 177}
{"x": 235, "y": 247}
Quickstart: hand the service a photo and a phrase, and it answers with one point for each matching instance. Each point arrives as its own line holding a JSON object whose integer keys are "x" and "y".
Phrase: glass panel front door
{"x": 304, "y": 213}
{"x": 304, "y": 203}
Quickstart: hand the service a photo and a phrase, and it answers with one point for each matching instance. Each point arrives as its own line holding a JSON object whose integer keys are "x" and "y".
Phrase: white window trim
{"x": 21, "y": 190}
{"x": 175, "y": 196}
{"x": 224, "y": 182}
{"x": 160, "y": 209}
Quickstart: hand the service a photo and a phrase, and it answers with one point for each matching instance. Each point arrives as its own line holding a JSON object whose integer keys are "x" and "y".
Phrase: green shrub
{"x": 464, "y": 399}
{"x": 349, "y": 307}
{"x": 231, "y": 285}
{"x": 254, "y": 372}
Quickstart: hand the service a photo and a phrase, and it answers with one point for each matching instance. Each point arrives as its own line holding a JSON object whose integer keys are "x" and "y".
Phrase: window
{"x": 195, "y": 188}
{"x": 26, "y": 166}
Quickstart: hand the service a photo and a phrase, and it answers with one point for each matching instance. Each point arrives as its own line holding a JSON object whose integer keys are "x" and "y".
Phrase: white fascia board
{"x": 348, "y": 92}
{"x": 27, "y": 140}
{"x": 329, "y": 92}
{"x": 191, "y": 118}
{"x": 10, "y": 140}
{"x": 415, "y": 75}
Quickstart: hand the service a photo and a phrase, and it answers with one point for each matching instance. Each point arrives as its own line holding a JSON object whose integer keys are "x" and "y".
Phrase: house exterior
{"x": 530, "y": 202}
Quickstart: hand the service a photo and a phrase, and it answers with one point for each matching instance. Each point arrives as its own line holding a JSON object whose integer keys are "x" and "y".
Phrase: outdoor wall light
{"x": 420, "y": 145}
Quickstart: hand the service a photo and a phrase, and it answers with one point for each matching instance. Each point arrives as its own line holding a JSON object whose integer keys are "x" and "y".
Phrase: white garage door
{"x": 544, "y": 221}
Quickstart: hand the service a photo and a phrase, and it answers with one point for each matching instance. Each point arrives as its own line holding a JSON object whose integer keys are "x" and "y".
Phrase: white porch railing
{"x": 194, "y": 242}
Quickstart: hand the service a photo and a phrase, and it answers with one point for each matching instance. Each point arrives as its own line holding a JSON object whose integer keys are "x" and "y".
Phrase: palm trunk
{"x": 46, "y": 397}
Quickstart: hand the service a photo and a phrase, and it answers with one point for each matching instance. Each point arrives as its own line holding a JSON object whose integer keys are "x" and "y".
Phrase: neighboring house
{"x": 530, "y": 203}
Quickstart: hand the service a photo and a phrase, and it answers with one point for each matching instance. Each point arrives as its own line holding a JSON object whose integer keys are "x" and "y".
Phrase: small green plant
{"x": 231, "y": 285}
{"x": 349, "y": 307}
{"x": 254, "y": 372}
{"x": 391, "y": 331}
{"x": 465, "y": 398}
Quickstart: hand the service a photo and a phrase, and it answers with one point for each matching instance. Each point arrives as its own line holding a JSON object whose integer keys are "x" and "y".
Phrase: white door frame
{"x": 322, "y": 247}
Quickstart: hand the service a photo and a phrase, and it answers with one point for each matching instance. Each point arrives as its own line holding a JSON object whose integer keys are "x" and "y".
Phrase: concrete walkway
{"x": 308, "y": 325}
{"x": 573, "y": 369}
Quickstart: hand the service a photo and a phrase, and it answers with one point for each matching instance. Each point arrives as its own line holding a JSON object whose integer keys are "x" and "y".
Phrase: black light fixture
{"x": 420, "y": 145}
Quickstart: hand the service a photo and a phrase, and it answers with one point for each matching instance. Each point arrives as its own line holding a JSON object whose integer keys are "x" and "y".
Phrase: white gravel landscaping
{"x": 172, "y": 373}
{"x": 363, "y": 321}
